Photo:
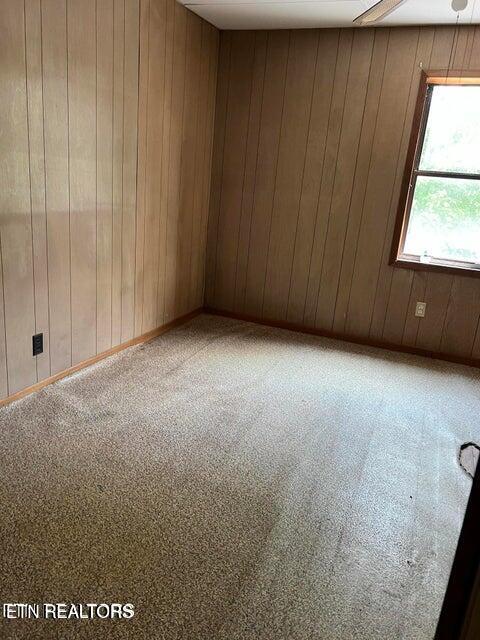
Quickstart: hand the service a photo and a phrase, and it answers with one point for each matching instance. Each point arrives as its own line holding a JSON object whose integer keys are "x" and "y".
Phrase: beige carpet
{"x": 233, "y": 482}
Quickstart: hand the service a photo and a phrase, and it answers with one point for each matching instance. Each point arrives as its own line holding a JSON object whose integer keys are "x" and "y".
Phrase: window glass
{"x": 445, "y": 219}
{"x": 452, "y": 135}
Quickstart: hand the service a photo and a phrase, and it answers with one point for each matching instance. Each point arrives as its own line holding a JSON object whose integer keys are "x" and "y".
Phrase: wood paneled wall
{"x": 177, "y": 88}
{"x": 106, "y": 129}
{"x": 311, "y": 135}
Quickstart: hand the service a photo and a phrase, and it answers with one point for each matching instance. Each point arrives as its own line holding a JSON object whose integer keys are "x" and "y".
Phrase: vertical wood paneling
{"x": 57, "y": 194}
{"x": 187, "y": 171}
{"x": 117, "y": 161}
{"x": 312, "y": 176}
{"x": 412, "y": 323}
{"x": 92, "y": 106}
{"x": 217, "y": 163}
{"x": 199, "y": 163}
{"x": 142, "y": 147}
{"x": 335, "y": 122}
{"x": 278, "y": 48}
{"x": 437, "y": 294}
{"x": 207, "y": 173}
{"x": 291, "y": 158}
{"x": 33, "y": 35}
{"x": 16, "y": 230}
{"x": 154, "y": 126}
{"x": 306, "y": 184}
{"x": 177, "y": 75}
{"x": 250, "y": 171}
{"x": 81, "y": 30}
{"x": 357, "y": 196}
{"x": 348, "y": 147}
{"x": 175, "y": 158}
{"x": 238, "y": 107}
{"x": 461, "y": 320}
{"x": 104, "y": 136}
{"x": 129, "y": 175}
{"x": 393, "y": 99}
{"x": 167, "y": 111}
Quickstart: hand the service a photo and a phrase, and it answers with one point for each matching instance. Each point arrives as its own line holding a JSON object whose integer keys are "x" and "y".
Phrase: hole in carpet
{"x": 468, "y": 457}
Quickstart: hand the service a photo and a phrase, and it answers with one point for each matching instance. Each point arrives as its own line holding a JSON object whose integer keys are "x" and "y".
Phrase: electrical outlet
{"x": 37, "y": 344}
{"x": 420, "y": 309}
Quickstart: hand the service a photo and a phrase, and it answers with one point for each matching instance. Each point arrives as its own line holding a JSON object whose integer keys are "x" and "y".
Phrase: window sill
{"x": 455, "y": 268}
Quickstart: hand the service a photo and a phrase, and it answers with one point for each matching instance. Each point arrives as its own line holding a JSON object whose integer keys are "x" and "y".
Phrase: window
{"x": 438, "y": 225}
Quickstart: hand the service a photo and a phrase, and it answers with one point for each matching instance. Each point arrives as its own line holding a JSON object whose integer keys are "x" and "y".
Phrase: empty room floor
{"x": 235, "y": 481}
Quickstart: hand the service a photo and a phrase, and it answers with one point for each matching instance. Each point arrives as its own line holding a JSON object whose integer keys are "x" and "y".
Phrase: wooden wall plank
{"x": 199, "y": 162}
{"x": 55, "y": 103}
{"x": 154, "y": 168}
{"x": 117, "y": 168}
{"x": 475, "y": 50}
{"x": 223, "y": 86}
{"x": 167, "y": 113}
{"x": 191, "y": 189}
{"x": 461, "y": 322}
{"x": 272, "y": 108}
{"x": 81, "y": 21}
{"x": 312, "y": 176}
{"x": 143, "y": 97}
{"x": 186, "y": 151}
{"x": 375, "y": 84}
{"x": 33, "y": 38}
{"x": 335, "y": 123}
{"x": 104, "y": 36}
{"x": 250, "y": 169}
{"x": 129, "y": 176}
{"x": 348, "y": 148}
{"x": 291, "y": 159}
{"x": 393, "y": 100}
{"x": 15, "y": 212}
{"x": 437, "y": 295}
{"x": 238, "y": 106}
{"x": 187, "y": 165}
{"x": 175, "y": 159}
{"x": 208, "y": 164}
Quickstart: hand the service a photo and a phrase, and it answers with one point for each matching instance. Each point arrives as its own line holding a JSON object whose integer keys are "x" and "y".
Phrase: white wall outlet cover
{"x": 420, "y": 309}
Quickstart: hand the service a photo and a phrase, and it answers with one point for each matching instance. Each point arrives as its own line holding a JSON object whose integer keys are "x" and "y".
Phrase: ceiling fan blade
{"x": 378, "y": 12}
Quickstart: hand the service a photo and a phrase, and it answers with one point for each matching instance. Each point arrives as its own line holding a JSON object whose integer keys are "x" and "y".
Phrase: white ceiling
{"x": 289, "y": 14}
